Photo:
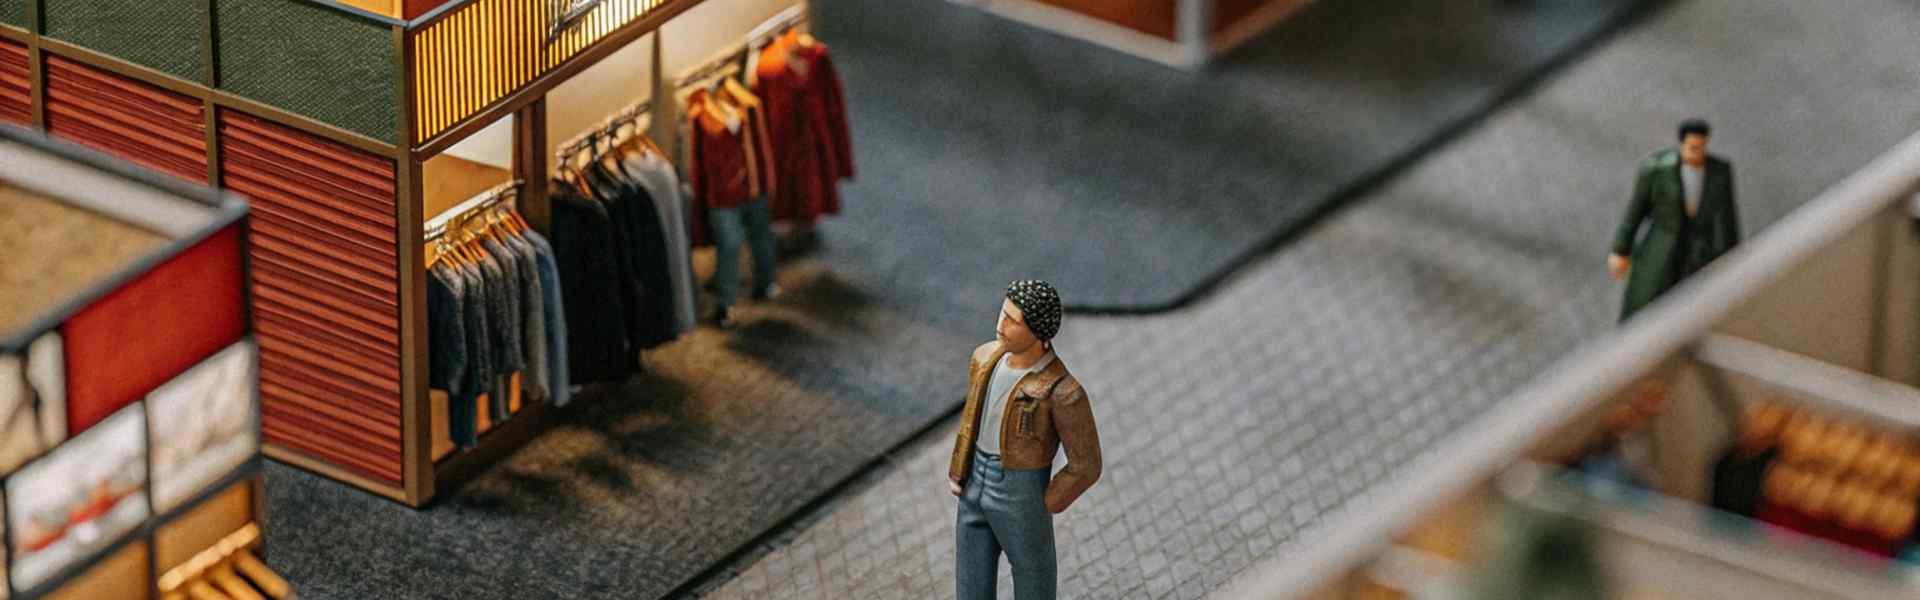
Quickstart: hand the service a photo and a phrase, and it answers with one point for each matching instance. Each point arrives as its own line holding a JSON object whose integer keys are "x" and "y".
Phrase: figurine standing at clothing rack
{"x": 732, "y": 174}
{"x": 1687, "y": 197}
{"x": 1022, "y": 407}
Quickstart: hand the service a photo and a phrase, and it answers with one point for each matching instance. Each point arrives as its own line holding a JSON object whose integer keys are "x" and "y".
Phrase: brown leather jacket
{"x": 1048, "y": 408}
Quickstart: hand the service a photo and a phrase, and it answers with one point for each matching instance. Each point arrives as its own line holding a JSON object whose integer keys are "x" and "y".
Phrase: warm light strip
{"x": 490, "y": 48}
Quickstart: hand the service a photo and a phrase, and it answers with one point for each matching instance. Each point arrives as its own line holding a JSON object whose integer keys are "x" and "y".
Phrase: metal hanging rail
{"x": 505, "y": 192}
{"x": 733, "y": 56}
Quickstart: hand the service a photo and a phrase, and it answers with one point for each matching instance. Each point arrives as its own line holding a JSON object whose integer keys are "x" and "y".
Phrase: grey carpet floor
{"x": 1132, "y": 186}
{"x": 1018, "y": 154}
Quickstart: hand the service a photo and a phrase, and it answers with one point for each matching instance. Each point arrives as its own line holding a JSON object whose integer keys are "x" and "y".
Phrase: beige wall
{"x": 1826, "y": 309}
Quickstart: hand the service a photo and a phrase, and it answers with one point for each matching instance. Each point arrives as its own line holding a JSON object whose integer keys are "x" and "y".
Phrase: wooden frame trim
{"x": 325, "y": 469}
{"x": 436, "y": 15}
{"x": 36, "y": 67}
{"x": 531, "y": 165}
{"x": 209, "y": 76}
{"x": 360, "y": 12}
{"x": 505, "y": 438}
{"x": 415, "y": 407}
{"x": 538, "y": 88}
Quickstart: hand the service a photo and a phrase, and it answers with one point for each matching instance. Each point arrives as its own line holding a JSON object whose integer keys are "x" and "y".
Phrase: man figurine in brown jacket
{"x": 1022, "y": 406}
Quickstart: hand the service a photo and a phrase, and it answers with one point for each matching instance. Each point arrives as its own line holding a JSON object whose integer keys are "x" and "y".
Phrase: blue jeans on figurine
{"x": 1004, "y": 510}
{"x": 751, "y": 223}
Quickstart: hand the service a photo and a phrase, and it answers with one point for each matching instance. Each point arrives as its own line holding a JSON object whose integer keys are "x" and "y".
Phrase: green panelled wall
{"x": 311, "y": 60}
{"x": 14, "y": 12}
{"x": 160, "y": 34}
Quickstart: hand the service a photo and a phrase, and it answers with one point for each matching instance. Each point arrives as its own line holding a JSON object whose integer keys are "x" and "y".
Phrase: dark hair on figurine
{"x": 1040, "y": 304}
{"x": 1695, "y": 126}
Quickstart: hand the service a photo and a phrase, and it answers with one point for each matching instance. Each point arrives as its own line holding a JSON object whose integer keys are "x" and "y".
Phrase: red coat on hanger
{"x": 807, "y": 116}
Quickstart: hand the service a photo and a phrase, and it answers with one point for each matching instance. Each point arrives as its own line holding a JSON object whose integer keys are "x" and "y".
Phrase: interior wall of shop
{"x": 625, "y": 77}
{"x": 1855, "y": 304}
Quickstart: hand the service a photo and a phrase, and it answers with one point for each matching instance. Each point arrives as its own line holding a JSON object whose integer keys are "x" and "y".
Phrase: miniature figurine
{"x": 1688, "y": 196}
{"x": 1027, "y": 405}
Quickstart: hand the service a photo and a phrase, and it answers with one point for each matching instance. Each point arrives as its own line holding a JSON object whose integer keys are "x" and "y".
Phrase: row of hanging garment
{"x": 782, "y": 136}
{"x": 620, "y": 235}
{"x": 494, "y": 310}
{"x": 806, "y": 110}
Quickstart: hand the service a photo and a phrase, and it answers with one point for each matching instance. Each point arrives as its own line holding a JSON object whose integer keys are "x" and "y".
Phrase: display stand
{"x": 1181, "y": 33}
{"x": 129, "y": 466}
{"x": 1816, "y": 318}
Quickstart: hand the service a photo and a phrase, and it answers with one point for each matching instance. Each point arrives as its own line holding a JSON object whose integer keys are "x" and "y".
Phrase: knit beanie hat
{"x": 1041, "y": 305}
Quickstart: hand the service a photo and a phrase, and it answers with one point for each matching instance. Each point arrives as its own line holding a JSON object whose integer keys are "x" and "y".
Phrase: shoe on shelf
{"x": 767, "y": 293}
{"x": 721, "y": 319}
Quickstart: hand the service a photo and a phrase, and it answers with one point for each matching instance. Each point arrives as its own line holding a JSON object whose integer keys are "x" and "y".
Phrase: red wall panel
{"x": 16, "y": 83}
{"x": 325, "y": 292}
{"x": 133, "y": 120}
{"x": 153, "y": 328}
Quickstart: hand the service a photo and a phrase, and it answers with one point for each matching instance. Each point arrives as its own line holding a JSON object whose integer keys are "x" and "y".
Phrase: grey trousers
{"x": 1004, "y": 510}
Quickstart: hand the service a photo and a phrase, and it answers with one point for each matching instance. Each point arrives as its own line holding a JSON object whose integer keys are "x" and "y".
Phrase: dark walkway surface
{"x": 1235, "y": 427}
{"x": 1131, "y": 185}
{"x": 1123, "y": 181}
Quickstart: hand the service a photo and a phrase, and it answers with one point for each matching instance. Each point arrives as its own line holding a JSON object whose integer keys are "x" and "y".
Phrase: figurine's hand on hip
{"x": 1617, "y": 265}
{"x": 953, "y": 486}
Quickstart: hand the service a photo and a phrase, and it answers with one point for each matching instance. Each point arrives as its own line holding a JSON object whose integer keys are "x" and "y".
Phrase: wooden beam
{"x": 36, "y": 67}
{"x": 531, "y": 165}
{"x": 415, "y": 405}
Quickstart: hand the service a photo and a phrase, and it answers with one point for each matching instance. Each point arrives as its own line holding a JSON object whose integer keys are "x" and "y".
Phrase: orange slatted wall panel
{"x": 325, "y": 292}
{"x": 133, "y": 120}
{"x": 16, "y": 94}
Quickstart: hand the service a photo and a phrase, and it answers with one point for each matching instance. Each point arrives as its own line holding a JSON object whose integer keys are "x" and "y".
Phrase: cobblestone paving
{"x": 1231, "y": 428}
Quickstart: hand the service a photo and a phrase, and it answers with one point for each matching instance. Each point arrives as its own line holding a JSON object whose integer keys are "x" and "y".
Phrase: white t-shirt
{"x": 999, "y": 389}
{"x": 1694, "y": 179}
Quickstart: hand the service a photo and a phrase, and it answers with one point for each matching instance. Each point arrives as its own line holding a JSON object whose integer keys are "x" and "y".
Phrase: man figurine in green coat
{"x": 1688, "y": 197}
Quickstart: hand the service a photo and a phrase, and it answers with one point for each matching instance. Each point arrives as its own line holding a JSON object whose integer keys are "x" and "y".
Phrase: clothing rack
{"x": 452, "y": 217}
{"x": 607, "y": 129}
{"x": 735, "y": 56}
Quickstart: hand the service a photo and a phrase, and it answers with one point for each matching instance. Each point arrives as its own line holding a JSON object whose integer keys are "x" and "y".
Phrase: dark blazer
{"x": 1675, "y": 246}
